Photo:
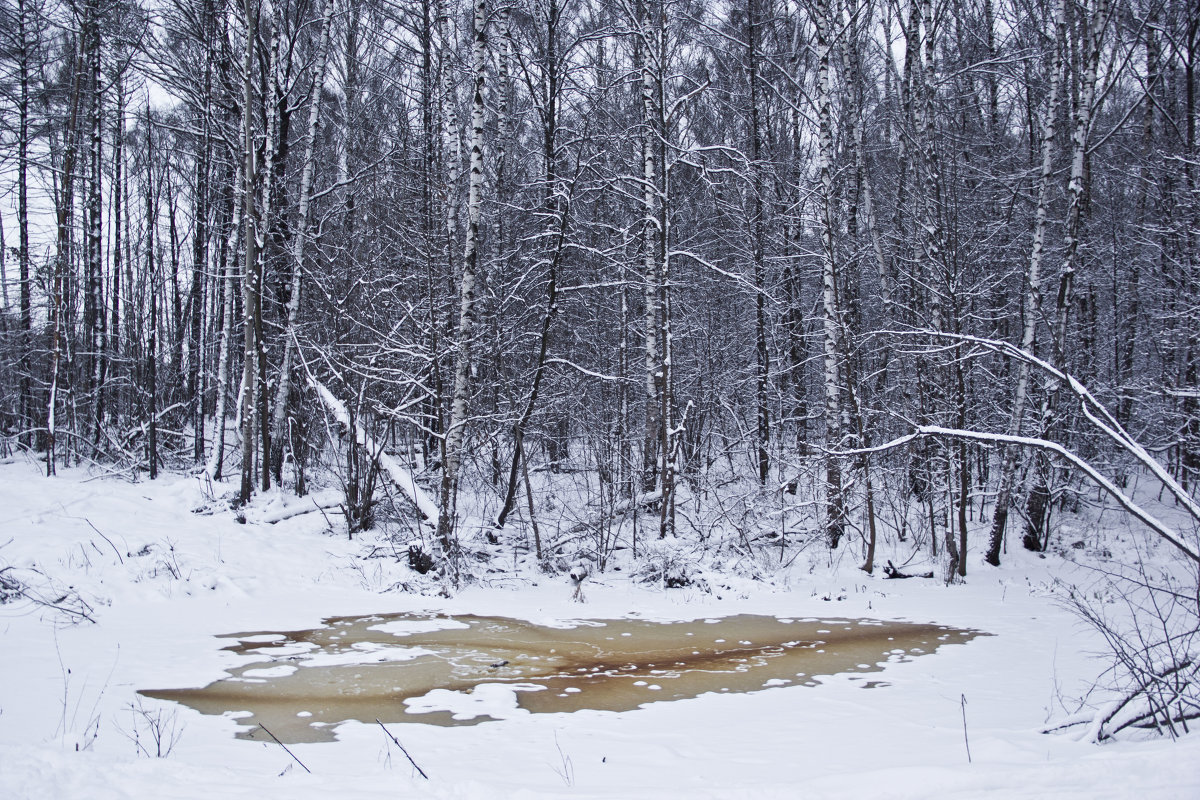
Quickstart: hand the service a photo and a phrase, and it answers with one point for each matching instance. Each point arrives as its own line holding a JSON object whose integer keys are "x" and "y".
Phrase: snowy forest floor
{"x": 160, "y": 569}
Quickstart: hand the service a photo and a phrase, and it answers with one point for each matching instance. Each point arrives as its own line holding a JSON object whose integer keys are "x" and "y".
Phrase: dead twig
{"x": 105, "y": 538}
{"x": 402, "y": 750}
{"x": 285, "y": 748}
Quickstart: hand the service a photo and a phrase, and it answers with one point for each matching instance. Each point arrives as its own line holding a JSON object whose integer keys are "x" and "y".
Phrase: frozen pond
{"x": 456, "y": 670}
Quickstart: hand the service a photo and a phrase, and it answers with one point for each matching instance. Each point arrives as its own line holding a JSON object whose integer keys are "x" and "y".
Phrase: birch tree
{"x": 830, "y": 311}
{"x": 300, "y": 237}
{"x": 1033, "y": 290}
{"x": 252, "y": 271}
{"x": 453, "y": 442}
{"x": 1092, "y": 27}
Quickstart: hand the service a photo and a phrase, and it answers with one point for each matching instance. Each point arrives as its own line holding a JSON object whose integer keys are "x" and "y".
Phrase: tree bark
{"x": 830, "y": 312}
{"x": 466, "y": 316}
{"x": 1096, "y": 22}
{"x": 298, "y": 243}
{"x": 26, "y": 304}
{"x": 650, "y": 133}
{"x": 152, "y": 278}
{"x": 1033, "y": 292}
{"x": 758, "y": 250}
{"x": 94, "y": 317}
{"x": 252, "y": 271}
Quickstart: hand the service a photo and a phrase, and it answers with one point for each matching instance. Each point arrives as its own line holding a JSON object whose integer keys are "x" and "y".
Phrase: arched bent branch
{"x": 1124, "y": 500}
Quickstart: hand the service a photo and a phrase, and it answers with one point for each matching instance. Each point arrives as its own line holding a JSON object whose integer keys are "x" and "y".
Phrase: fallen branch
{"x": 305, "y": 505}
{"x": 401, "y": 477}
{"x": 1092, "y": 408}
{"x": 1136, "y": 708}
{"x": 1112, "y": 714}
{"x": 1122, "y": 499}
{"x": 892, "y": 572}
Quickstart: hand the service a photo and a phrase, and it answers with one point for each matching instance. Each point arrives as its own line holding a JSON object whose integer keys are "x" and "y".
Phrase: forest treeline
{"x": 669, "y": 242}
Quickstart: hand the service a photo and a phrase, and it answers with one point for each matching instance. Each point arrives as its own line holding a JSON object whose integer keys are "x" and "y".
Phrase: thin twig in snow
{"x": 402, "y": 750}
{"x": 105, "y": 538}
{"x": 285, "y": 748}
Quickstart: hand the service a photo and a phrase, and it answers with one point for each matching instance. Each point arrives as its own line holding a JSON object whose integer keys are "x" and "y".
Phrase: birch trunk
{"x": 306, "y": 180}
{"x": 196, "y": 303}
{"x": 252, "y": 270}
{"x": 216, "y": 457}
{"x": 1096, "y": 21}
{"x": 650, "y": 234}
{"x": 26, "y": 323}
{"x": 275, "y": 143}
{"x": 1033, "y": 292}
{"x": 758, "y": 254}
{"x": 64, "y": 204}
{"x": 451, "y": 142}
{"x": 152, "y": 278}
{"x": 830, "y": 314}
{"x": 466, "y": 314}
{"x": 94, "y": 307}
{"x": 118, "y": 207}
{"x": 939, "y": 278}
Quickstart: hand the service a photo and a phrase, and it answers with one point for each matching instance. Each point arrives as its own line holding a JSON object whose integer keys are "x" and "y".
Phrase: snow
{"x": 495, "y": 700}
{"x": 364, "y": 653}
{"x": 409, "y": 627}
{"x": 163, "y": 568}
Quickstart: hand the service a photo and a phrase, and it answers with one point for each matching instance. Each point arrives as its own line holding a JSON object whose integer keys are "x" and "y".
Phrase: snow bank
{"x": 162, "y": 582}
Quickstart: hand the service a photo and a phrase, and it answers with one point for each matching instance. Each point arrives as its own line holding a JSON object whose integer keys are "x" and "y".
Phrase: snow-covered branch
{"x": 1122, "y": 499}
{"x": 1092, "y": 408}
{"x": 401, "y": 477}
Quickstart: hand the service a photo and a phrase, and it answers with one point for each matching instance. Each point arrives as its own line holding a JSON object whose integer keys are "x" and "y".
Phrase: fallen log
{"x": 401, "y": 477}
{"x": 320, "y": 501}
{"x": 891, "y": 571}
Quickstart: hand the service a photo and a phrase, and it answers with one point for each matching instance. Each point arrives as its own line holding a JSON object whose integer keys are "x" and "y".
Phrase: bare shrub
{"x": 155, "y": 731}
{"x": 1150, "y": 622}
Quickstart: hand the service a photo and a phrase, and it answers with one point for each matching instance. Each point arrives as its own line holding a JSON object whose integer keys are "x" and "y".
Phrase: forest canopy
{"x": 674, "y": 245}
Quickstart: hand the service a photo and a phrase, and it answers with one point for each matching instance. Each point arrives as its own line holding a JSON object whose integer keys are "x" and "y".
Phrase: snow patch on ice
{"x": 496, "y": 700}
{"x": 281, "y": 671}
{"x": 409, "y": 627}
{"x": 365, "y": 653}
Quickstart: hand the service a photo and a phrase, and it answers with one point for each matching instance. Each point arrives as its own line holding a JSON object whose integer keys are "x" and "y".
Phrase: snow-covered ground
{"x": 163, "y": 569}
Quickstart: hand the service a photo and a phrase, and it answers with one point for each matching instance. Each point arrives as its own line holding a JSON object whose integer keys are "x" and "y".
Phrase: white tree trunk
{"x": 279, "y": 417}
{"x": 830, "y": 315}
{"x": 1096, "y": 24}
{"x": 216, "y": 456}
{"x": 1033, "y": 290}
{"x": 251, "y": 267}
{"x": 649, "y": 261}
{"x": 466, "y": 313}
{"x": 451, "y": 142}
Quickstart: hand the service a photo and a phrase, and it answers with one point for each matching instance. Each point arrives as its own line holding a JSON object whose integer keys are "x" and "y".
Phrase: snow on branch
{"x": 401, "y": 477}
{"x": 1122, "y": 499}
{"x": 584, "y": 370}
{"x": 1092, "y": 408}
